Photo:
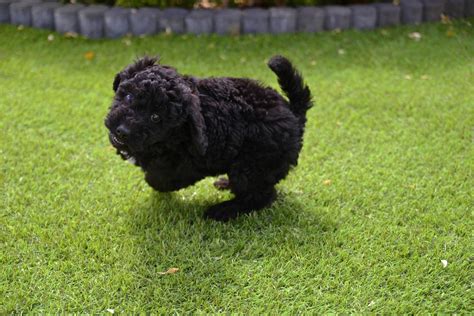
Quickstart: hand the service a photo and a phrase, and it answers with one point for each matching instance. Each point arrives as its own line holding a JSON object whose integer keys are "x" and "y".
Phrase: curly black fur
{"x": 180, "y": 129}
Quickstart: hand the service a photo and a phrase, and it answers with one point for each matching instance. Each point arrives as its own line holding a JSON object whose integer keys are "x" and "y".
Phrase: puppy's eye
{"x": 129, "y": 98}
{"x": 155, "y": 118}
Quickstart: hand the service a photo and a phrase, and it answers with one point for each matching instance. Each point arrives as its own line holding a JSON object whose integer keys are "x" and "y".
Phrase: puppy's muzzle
{"x": 121, "y": 135}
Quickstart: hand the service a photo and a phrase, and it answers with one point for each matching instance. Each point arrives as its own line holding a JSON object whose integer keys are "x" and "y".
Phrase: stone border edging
{"x": 99, "y": 21}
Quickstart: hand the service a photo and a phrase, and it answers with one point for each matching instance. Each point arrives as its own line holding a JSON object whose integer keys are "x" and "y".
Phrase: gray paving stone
{"x": 469, "y": 8}
{"x": 91, "y": 21}
{"x": 454, "y": 8}
{"x": 282, "y": 20}
{"x": 337, "y": 17}
{"x": 227, "y": 21}
{"x": 42, "y": 15}
{"x": 66, "y": 18}
{"x": 144, "y": 21}
{"x": 172, "y": 20}
{"x": 20, "y": 12}
{"x": 116, "y": 22}
{"x": 364, "y": 17}
{"x": 412, "y": 11}
{"x": 310, "y": 19}
{"x": 387, "y": 14}
{"x": 5, "y": 11}
{"x": 432, "y": 10}
{"x": 255, "y": 21}
{"x": 199, "y": 21}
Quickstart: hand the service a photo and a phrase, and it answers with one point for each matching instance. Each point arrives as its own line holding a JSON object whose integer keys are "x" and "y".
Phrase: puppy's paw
{"x": 222, "y": 212}
{"x": 222, "y": 184}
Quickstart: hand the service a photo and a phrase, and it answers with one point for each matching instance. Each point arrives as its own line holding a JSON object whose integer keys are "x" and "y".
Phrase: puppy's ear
{"x": 116, "y": 82}
{"x": 197, "y": 125}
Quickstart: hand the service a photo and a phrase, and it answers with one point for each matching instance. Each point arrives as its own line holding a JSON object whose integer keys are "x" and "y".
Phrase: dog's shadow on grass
{"x": 172, "y": 232}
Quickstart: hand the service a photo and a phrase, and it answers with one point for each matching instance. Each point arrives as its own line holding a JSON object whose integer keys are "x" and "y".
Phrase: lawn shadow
{"x": 171, "y": 231}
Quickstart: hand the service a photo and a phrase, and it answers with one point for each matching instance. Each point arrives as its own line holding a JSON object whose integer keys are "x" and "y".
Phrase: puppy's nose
{"x": 122, "y": 132}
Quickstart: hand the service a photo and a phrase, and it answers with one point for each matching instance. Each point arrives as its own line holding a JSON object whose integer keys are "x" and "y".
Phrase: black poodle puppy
{"x": 180, "y": 129}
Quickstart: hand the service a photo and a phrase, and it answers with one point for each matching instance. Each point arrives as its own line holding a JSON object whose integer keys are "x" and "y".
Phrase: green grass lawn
{"x": 383, "y": 190}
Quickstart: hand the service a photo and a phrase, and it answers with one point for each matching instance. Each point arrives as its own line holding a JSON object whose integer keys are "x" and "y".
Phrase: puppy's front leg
{"x": 161, "y": 183}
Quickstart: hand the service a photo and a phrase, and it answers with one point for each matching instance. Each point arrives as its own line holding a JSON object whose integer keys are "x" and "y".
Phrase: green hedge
{"x": 220, "y": 3}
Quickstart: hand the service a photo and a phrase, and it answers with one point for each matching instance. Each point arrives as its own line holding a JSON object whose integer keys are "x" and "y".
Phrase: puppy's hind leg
{"x": 252, "y": 192}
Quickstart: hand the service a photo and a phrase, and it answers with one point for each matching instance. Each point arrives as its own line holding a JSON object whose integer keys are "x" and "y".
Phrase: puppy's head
{"x": 153, "y": 105}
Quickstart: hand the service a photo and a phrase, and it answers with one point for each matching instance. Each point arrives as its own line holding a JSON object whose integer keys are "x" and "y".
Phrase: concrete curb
{"x": 255, "y": 21}
{"x": 99, "y": 21}
{"x": 337, "y": 17}
{"x": 364, "y": 17}
{"x": 42, "y": 15}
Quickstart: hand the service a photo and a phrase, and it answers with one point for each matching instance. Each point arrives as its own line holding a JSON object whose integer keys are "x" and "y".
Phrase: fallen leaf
{"x": 170, "y": 271}
{"x": 445, "y": 19}
{"x": 445, "y": 263}
{"x": 89, "y": 55}
{"x": 425, "y": 77}
{"x": 71, "y": 35}
{"x": 450, "y": 33}
{"x": 408, "y": 77}
{"x": 110, "y": 310}
{"x": 416, "y": 36}
{"x": 50, "y": 37}
{"x": 340, "y": 51}
{"x": 327, "y": 182}
{"x": 313, "y": 63}
{"x": 20, "y": 27}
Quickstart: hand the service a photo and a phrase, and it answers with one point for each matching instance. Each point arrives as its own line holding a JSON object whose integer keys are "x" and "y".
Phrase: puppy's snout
{"x": 122, "y": 132}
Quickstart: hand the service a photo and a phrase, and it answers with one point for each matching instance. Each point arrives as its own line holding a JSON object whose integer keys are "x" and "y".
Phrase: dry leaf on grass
{"x": 444, "y": 263}
{"x": 327, "y": 182}
{"x": 89, "y": 55}
{"x": 170, "y": 271}
{"x": 416, "y": 36}
{"x": 445, "y": 19}
{"x": 450, "y": 33}
{"x": 71, "y": 35}
{"x": 50, "y": 37}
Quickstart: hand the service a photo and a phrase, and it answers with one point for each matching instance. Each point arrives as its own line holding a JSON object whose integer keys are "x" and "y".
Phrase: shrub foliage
{"x": 220, "y": 3}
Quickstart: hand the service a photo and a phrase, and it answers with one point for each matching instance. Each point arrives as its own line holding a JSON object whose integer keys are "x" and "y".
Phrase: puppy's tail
{"x": 292, "y": 84}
